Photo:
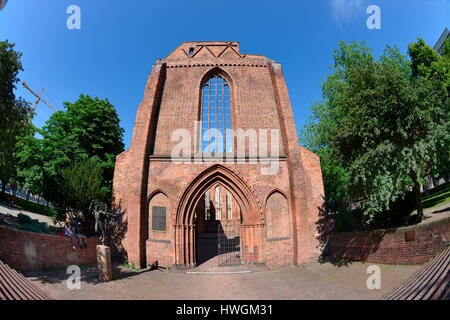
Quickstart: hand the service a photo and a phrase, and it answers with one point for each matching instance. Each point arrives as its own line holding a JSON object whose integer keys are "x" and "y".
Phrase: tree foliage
{"x": 89, "y": 128}
{"x": 316, "y": 137}
{"x": 78, "y": 185}
{"x": 87, "y": 131}
{"x": 30, "y": 161}
{"x": 15, "y": 112}
{"x": 385, "y": 122}
{"x": 10, "y": 66}
{"x": 316, "y": 134}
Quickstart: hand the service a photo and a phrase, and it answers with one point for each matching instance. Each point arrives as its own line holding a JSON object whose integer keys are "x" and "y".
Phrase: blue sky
{"x": 119, "y": 41}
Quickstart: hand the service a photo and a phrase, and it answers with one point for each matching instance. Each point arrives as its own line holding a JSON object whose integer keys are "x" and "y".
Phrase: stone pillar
{"x": 186, "y": 246}
{"x": 190, "y": 246}
{"x": 244, "y": 243}
{"x": 104, "y": 263}
{"x": 177, "y": 244}
{"x": 194, "y": 256}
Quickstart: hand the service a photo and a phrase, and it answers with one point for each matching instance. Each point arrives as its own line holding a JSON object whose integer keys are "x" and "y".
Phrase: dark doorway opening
{"x": 218, "y": 218}
{"x": 229, "y": 243}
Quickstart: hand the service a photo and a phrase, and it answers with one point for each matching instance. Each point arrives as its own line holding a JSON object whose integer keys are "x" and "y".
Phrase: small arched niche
{"x": 277, "y": 216}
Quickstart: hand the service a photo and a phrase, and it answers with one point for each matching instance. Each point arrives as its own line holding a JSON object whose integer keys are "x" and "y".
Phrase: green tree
{"x": 78, "y": 185}
{"x": 15, "y": 112}
{"x": 315, "y": 136}
{"x": 386, "y": 121}
{"x": 10, "y": 66}
{"x": 10, "y": 136}
{"x": 88, "y": 129}
{"x": 30, "y": 160}
{"x": 427, "y": 64}
{"x": 326, "y": 114}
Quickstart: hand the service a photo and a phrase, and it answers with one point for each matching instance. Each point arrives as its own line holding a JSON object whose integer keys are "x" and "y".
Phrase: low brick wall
{"x": 406, "y": 245}
{"x": 29, "y": 251}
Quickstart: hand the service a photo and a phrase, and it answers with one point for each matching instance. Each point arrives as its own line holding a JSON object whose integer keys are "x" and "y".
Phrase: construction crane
{"x": 39, "y": 98}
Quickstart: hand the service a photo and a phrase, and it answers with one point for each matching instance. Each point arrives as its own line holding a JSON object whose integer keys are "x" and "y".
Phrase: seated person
{"x": 75, "y": 232}
{"x": 69, "y": 233}
{"x": 81, "y": 238}
{"x": 67, "y": 230}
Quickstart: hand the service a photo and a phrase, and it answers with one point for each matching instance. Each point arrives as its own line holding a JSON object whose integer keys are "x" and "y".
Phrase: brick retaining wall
{"x": 29, "y": 251}
{"x": 406, "y": 245}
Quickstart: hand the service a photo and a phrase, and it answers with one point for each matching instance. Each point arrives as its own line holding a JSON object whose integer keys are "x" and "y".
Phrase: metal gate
{"x": 229, "y": 243}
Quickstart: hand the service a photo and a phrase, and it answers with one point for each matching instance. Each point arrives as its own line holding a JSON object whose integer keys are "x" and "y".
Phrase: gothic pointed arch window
{"x": 216, "y": 115}
{"x": 229, "y": 203}
{"x": 218, "y": 199}
{"x": 207, "y": 206}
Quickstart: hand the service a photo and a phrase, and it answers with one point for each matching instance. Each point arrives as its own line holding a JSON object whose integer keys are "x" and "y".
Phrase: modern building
{"x": 440, "y": 42}
{"x": 215, "y": 167}
{"x": 431, "y": 182}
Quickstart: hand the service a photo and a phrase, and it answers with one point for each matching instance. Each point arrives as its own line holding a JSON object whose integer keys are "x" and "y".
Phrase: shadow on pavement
{"x": 89, "y": 274}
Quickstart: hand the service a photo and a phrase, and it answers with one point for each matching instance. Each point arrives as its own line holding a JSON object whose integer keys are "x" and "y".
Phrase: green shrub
{"x": 130, "y": 266}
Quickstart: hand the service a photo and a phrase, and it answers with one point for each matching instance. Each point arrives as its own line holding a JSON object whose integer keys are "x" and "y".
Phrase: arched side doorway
{"x": 252, "y": 225}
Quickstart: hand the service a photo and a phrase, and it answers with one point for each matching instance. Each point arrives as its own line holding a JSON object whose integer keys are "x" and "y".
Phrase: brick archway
{"x": 252, "y": 228}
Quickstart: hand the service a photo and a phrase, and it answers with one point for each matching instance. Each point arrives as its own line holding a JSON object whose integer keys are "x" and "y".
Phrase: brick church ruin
{"x": 217, "y": 197}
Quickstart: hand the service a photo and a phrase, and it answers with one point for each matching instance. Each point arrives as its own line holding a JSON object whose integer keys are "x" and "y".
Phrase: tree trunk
{"x": 417, "y": 195}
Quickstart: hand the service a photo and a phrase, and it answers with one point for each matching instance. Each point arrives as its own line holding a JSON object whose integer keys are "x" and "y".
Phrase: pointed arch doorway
{"x": 218, "y": 219}
{"x": 246, "y": 238}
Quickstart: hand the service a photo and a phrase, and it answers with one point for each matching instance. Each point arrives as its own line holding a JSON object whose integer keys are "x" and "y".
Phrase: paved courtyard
{"x": 310, "y": 281}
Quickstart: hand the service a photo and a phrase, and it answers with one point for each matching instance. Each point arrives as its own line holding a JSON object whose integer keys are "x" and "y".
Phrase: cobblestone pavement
{"x": 309, "y": 281}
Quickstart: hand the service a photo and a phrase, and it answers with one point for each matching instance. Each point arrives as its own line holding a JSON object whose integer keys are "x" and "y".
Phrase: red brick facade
{"x": 278, "y": 212}
{"x": 29, "y": 251}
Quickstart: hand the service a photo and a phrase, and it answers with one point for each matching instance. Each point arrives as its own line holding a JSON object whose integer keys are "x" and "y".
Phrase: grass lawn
{"x": 31, "y": 206}
{"x": 438, "y": 198}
